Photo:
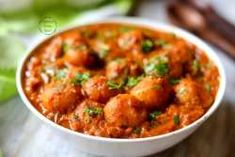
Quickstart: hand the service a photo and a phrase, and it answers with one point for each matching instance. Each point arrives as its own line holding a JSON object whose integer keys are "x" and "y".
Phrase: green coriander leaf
{"x": 137, "y": 130}
{"x": 113, "y": 85}
{"x": 132, "y": 81}
{"x": 93, "y": 111}
{"x": 208, "y": 87}
{"x": 161, "y": 43}
{"x": 176, "y": 119}
{"x": 61, "y": 74}
{"x": 174, "y": 81}
{"x": 195, "y": 66}
{"x": 161, "y": 69}
{"x": 103, "y": 50}
{"x": 147, "y": 45}
{"x": 150, "y": 67}
{"x": 158, "y": 66}
{"x": 80, "y": 78}
{"x": 153, "y": 115}
{"x": 65, "y": 47}
{"x": 80, "y": 47}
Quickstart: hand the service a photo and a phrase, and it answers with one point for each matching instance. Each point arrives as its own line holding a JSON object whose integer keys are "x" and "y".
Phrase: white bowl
{"x": 140, "y": 146}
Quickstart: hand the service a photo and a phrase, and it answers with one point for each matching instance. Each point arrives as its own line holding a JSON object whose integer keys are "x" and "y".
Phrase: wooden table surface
{"x": 23, "y": 135}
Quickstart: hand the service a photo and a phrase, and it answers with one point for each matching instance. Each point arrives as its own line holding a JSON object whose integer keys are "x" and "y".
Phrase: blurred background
{"x": 24, "y": 22}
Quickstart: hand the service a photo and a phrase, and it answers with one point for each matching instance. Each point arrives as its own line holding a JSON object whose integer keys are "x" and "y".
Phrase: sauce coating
{"x": 120, "y": 81}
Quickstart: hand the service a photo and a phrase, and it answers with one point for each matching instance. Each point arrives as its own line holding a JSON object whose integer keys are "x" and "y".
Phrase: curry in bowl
{"x": 120, "y": 81}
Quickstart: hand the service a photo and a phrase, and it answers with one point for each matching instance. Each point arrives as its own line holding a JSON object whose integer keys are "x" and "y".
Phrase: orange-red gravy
{"x": 120, "y": 81}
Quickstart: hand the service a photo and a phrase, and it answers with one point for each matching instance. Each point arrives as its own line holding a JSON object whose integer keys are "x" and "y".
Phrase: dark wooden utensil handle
{"x": 213, "y": 28}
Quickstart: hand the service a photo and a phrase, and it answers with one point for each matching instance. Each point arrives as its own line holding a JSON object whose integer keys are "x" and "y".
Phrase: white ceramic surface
{"x": 131, "y": 147}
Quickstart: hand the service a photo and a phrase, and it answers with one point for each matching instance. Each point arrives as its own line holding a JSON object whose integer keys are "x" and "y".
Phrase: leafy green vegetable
{"x": 137, "y": 130}
{"x": 64, "y": 12}
{"x": 174, "y": 81}
{"x": 11, "y": 51}
{"x": 7, "y": 87}
{"x": 28, "y": 20}
{"x": 153, "y": 115}
{"x": 80, "y": 78}
{"x": 93, "y": 111}
{"x": 161, "y": 68}
{"x": 132, "y": 81}
{"x": 161, "y": 43}
{"x": 147, "y": 45}
{"x": 176, "y": 119}
{"x": 114, "y": 85}
{"x": 158, "y": 66}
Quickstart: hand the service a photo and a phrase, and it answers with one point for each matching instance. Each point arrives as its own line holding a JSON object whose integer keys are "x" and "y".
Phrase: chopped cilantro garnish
{"x": 61, "y": 74}
{"x": 195, "y": 66}
{"x": 65, "y": 47}
{"x": 103, "y": 50}
{"x": 161, "y": 68}
{"x": 176, "y": 119}
{"x": 208, "y": 87}
{"x": 158, "y": 66}
{"x": 80, "y": 78}
{"x": 147, "y": 45}
{"x": 93, "y": 111}
{"x": 174, "y": 81}
{"x": 137, "y": 130}
{"x": 132, "y": 81}
{"x": 161, "y": 43}
{"x": 154, "y": 114}
{"x": 80, "y": 47}
{"x": 114, "y": 85}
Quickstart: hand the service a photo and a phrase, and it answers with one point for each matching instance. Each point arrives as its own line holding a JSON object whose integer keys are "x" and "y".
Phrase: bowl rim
{"x": 142, "y": 22}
